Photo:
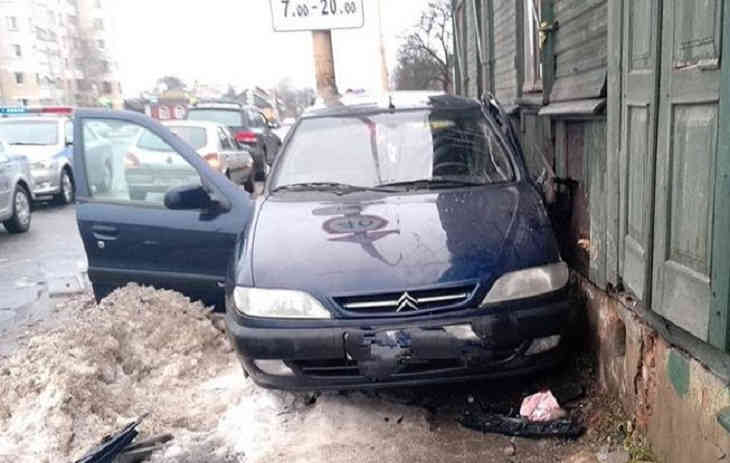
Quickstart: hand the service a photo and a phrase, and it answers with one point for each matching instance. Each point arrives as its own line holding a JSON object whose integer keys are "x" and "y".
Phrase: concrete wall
{"x": 674, "y": 399}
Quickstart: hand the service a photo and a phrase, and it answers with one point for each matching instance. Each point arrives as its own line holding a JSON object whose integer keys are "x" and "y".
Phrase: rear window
{"x": 193, "y": 136}
{"x": 227, "y": 117}
{"x": 29, "y": 132}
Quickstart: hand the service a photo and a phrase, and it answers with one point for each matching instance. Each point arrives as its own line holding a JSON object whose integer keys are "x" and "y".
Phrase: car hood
{"x": 345, "y": 245}
{"x": 36, "y": 153}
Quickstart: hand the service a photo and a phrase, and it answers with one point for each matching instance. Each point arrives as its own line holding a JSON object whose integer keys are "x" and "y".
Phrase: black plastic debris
{"x": 501, "y": 424}
{"x": 112, "y": 445}
{"x": 118, "y": 447}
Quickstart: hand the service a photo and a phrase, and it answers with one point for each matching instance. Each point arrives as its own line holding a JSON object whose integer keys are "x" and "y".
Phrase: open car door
{"x": 168, "y": 219}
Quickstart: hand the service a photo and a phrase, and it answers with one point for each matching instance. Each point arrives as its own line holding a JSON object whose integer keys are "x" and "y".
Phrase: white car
{"x": 149, "y": 161}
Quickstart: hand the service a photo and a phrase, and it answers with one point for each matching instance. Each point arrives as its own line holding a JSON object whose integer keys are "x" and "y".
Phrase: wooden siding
{"x": 507, "y": 50}
{"x": 580, "y": 49}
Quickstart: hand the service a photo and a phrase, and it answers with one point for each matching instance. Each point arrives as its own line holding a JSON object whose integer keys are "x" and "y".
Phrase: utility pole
{"x": 324, "y": 64}
{"x": 385, "y": 80}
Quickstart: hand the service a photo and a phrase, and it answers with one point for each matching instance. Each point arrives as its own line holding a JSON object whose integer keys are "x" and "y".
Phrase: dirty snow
{"x": 145, "y": 351}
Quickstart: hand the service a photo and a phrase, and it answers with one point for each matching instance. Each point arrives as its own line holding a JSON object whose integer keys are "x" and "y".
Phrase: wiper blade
{"x": 21, "y": 143}
{"x": 432, "y": 183}
{"x": 337, "y": 188}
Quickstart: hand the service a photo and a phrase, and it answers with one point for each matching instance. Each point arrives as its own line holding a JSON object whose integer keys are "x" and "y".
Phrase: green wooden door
{"x": 686, "y": 156}
{"x": 640, "y": 48}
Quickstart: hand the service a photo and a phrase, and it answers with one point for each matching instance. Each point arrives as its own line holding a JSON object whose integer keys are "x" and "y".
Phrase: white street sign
{"x": 308, "y": 15}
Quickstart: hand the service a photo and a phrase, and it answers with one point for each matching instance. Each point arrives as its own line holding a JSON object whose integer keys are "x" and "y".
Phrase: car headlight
{"x": 278, "y": 303}
{"x": 528, "y": 282}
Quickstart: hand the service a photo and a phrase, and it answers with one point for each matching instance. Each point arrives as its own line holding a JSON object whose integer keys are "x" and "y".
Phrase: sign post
{"x": 320, "y": 17}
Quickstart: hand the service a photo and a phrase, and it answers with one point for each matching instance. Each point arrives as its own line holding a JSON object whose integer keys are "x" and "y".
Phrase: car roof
{"x": 35, "y": 118}
{"x": 394, "y": 101}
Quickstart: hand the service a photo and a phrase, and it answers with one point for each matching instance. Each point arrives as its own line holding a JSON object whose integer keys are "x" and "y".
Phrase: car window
{"x": 138, "y": 169}
{"x": 387, "y": 148}
{"x": 197, "y": 137}
{"x": 42, "y": 133}
{"x": 227, "y": 117}
{"x": 225, "y": 142}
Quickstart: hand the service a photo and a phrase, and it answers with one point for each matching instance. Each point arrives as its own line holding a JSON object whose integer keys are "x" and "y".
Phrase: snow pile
{"x": 140, "y": 351}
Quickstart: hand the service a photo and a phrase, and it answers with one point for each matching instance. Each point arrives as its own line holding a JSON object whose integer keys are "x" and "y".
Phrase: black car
{"x": 394, "y": 243}
{"x": 248, "y": 125}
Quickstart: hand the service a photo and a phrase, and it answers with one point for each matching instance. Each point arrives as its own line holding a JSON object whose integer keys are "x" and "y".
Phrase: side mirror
{"x": 187, "y": 197}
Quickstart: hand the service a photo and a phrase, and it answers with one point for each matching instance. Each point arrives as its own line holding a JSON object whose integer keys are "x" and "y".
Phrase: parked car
{"x": 248, "y": 125}
{"x": 397, "y": 243}
{"x": 16, "y": 191}
{"x": 149, "y": 160}
{"x": 46, "y": 141}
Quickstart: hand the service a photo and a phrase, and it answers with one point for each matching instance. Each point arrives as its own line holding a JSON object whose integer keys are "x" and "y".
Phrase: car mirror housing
{"x": 187, "y": 197}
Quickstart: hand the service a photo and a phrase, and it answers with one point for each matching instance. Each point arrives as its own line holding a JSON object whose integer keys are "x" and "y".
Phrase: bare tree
{"x": 93, "y": 64}
{"x": 426, "y": 59}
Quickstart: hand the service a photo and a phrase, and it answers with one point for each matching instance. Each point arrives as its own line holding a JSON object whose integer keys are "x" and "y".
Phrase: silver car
{"x": 150, "y": 166}
{"x": 45, "y": 141}
{"x": 16, "y": 191}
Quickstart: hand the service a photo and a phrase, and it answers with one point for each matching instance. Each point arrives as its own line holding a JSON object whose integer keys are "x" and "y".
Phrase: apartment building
{"x": 56, "y": 52}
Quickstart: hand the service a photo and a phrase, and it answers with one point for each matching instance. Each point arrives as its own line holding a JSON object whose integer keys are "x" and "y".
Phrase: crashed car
{"x": 396, "y": 242}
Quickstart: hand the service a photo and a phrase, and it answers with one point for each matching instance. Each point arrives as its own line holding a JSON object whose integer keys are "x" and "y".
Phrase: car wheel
{"x": 20, "y": 220}
{"x": 137, "y": 195}
{"x": 67, "y": 194}
{"x": 107, "y": 178}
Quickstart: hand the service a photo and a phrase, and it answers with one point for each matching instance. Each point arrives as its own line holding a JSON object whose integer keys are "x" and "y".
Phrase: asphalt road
{"x": 46, "y": 262}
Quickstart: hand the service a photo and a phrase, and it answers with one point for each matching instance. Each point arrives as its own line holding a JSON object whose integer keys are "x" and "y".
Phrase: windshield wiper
{"x": 431, "y": 183}
{"x": 22, "y": 143}
{"x": 334, "y": 187}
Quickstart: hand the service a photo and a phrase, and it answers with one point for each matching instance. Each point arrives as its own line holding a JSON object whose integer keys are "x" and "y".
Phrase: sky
{"x": 232, "y": 41}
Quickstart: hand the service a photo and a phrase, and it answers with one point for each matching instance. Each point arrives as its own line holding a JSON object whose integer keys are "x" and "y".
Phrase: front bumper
{"x": 46, "y": 181}
{"x": 407, "y": 352}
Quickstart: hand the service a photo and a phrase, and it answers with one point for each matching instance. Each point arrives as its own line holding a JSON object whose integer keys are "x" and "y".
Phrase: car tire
{"x": 19, "y": 222}
{"x": 67, "y": 192}
{"x": 106, "y": 182}
{"x": 137, "y": 195}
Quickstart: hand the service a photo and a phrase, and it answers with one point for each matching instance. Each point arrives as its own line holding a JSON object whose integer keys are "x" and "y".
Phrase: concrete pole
{"x": 384, "y": 78}
{"x": 324, "y": 64}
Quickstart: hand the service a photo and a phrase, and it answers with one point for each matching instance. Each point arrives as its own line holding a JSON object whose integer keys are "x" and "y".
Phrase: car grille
{"x": 407, "y": 303}
{"x": 349, "y": 368}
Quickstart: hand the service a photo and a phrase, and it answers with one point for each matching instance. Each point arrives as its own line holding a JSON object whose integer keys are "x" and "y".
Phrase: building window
{"x": 107, "y": 86}
{"x": 12, "y": 23}
{"x": 19, "y": 78}
{"x": 100, "y": 44}
{"x": 98, "y": 24}
{"x": 17, "y": 51}
{"x": 533, "y": 62}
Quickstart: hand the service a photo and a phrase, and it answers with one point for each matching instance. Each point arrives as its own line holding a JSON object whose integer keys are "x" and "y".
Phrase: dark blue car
{"x": 396, "y": 242}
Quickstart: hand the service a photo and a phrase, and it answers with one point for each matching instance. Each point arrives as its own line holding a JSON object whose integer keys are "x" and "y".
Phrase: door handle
{"x": 105, "y": 232}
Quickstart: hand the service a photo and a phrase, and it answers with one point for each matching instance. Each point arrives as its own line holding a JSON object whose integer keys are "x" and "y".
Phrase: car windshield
{"x": 193, "y": 136}
{"x": 227, "y": 117}
{"x": 416, "y": 149}
{"x": 29, "y": 132}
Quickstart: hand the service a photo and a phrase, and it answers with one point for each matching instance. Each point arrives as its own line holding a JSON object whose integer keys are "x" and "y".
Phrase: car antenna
{"x": 391, "y": 106}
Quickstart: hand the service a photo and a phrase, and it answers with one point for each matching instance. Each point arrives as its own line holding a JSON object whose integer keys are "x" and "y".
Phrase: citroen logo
{"x": 407, "y": 302}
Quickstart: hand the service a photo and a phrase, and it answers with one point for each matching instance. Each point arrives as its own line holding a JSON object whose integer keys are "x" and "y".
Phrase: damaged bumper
{"x": 385, "y": 353}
